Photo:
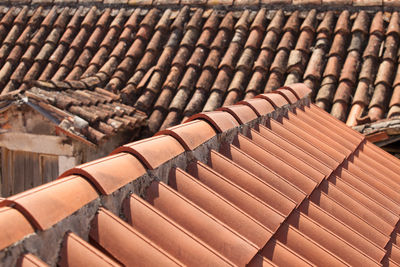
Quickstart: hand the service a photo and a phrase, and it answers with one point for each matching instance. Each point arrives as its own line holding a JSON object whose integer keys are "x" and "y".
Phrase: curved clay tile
{"x": 394, "y": 25}
{"x": 327, "y": 23}
{"x": 343, "y": 23}
{"x": 310, "y": 21}
{"x": 361, "y": 23}
{"x": 377, "y": 26}
{"x": 259, "y": 21}
{"x": 293, "y": 22}
{"x": 277, "y": 22}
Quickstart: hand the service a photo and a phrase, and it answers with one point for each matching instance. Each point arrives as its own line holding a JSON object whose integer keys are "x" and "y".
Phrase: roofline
{"x": 219, "y": 4}
{"x": 185, "y": 142}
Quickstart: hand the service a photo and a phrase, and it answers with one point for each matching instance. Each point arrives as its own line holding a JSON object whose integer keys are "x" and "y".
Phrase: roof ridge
{"x": 223, "y": 4}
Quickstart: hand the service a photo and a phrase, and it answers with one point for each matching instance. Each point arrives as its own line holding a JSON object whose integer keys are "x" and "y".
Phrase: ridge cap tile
{"x": 242, "y": 113}
{"x": 14, "y": 225}
{"x": 287, "y": 94}
{"x": 190, "y": 134}
{"x": 260, "y": 106}
{"x": 109, "y": 173}
{"x": 48, "y": 204}
{"x": 299, "y": 90}
{"x": 220, "y": 120}
{"x": 275, "y": 99}
{"x": 147, "y": 150}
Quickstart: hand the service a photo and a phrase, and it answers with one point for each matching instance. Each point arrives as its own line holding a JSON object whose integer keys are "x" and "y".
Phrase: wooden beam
{"x": 44, "y": 144}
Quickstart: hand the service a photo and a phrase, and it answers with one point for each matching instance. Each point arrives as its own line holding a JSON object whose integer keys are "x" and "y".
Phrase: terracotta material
{"x": 219, "y": 207}
{"x": 15, "y": 226}
{"x": 274, "y": 99}
{"x": 288, "y": 95}
{"x": 368, "y": 190}
{"x": 169, "y": 235}
{"x": 305, "y": 246}
{"x": 347, "y": 139}
{"x": 371, "y": 180}
{"x": 261, "y": 171}
{"x": 295, "y": 176}
{"x": 46, "y": 205}
{"x": 376, "y": 208}
{"x": 341, "y": 230}
{"x": 100, "y": 54}
{"x": 351, "y": 203}
{"x": 242, "y": 113}
{"x": 201, "y": 224}
{"x": 290, "y": 132}
{"x": 338, "y": 124}
{"x": 250, "y": 183}
{"x": 386, "y": 159}
{"x": 254, "y": 149}
{"x": 260, "y": 106}
{"x": 296, "y": 143}
{"x": 110, "y": 173}
{"x": 77, "y": 252}
{"x": 29, "y": 260}
{"x": 327, "y": 240}
{"x": 368, "y": 163}
{"x": 147, "y": 150}
{"x": 282, "y": 255}
{"x": 254, "y": 207}
{"x": 350, "y": 218}
{"x": 270, "y": 141}
{"x": 310, "y": 125}
{"x": 221, "y": 121}
{"x": 126, "y": 244}
{"x": 190, "y": 134}
{"x": 299, "y": 89}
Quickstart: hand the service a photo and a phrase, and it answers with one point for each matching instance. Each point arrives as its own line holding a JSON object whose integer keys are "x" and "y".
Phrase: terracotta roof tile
{"x": 15, "y": 226}
{"x": 201, "y": 224}
{"x": 185, "y": 240}
{"x": 287, "y": 186}
{"x": 107, "y": 183}
{"x": 146, "y": 150}
{"x": 190, "y": 134}
{"x": 45, "y": 205}
{"x": 121, "y": 234}
{"x": 76, "y": 251}
{"x": 175, "y": 63}
{"x": 29, "y": 260}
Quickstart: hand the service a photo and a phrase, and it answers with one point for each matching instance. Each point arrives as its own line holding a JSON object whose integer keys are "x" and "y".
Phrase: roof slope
{"x": 174, "y": 63}
{"x": 272, "y": 181}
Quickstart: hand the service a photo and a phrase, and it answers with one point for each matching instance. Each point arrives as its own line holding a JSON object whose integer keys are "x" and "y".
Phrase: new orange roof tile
{"x": 78, "y": 252}
{"x": 260, "y": 106}
{"x": 109, "y": 173}
{"x": 201, "y": 224}
{"x": 15, "y": 226}
{"x": 147, "y": 151}
{"x": 47, "y": 204}
{"x": 126, "y": 244}
{"x": 276, "y": 100}
{"x": 220, "y": 120}
{"x": 242, "y": 113}
{"x": 162, "y": 230}
{"x": 29, "y": 260}
{"x": 190, "y": 134}
{"x": 219, "y": 207}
